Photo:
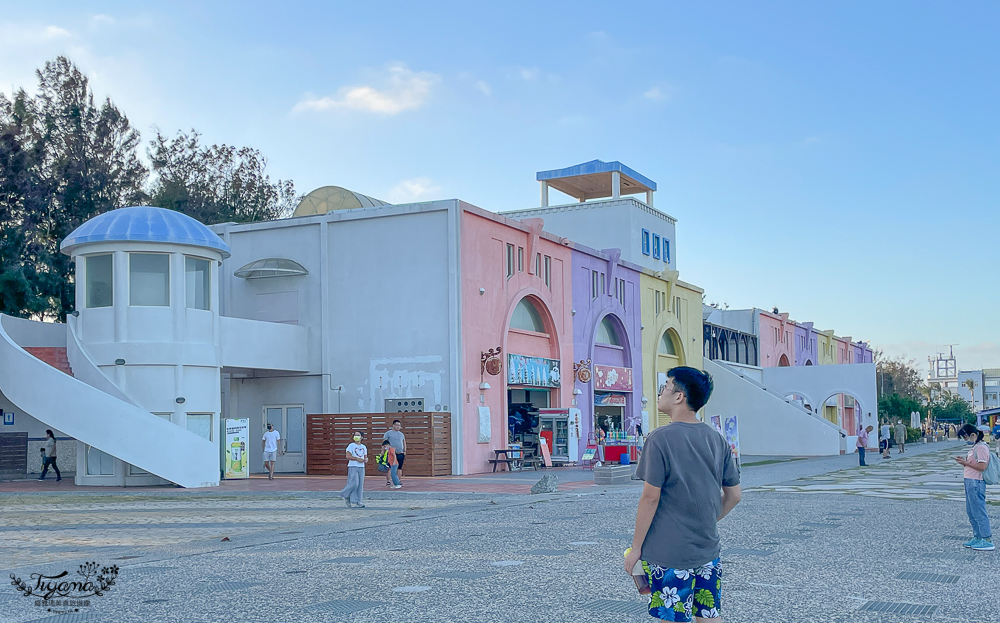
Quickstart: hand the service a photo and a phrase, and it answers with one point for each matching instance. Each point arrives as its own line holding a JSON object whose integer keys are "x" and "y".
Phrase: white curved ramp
{"x": 105, "y": 422}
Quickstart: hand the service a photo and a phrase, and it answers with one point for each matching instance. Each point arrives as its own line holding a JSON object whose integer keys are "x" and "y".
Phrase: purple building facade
{"x": 607, "y": 341}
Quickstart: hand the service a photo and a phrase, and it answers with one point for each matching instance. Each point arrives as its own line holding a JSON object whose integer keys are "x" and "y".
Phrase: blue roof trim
{"x": 145, "y": 224}
{"x": 594, "y": 166}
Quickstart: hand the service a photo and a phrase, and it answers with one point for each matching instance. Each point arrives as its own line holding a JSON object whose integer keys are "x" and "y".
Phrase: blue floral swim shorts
{"x": 680, "y": 594}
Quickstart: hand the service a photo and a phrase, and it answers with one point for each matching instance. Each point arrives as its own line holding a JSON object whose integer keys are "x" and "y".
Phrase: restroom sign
{"x": 8, "y": 418}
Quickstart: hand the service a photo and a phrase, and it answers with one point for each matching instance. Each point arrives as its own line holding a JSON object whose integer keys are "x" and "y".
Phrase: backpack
{"x": 991, "y": 475}
{"x": 382, "y": 462}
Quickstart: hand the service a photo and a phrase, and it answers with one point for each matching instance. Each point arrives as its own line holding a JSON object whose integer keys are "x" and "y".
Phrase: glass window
{"x": 149, "y": 279}
{"x": 606, "y": 333}
{"x": 293, "y": 429}
{"x": 538, "y": 264}
{"x": 100, "y": 281}
{"x": 548, "y": 271}
{"x": 594, "y": 285}
{"x": 656, "y": 247}
{"x": 510, "y": 261}
{"x": 645, "y": 242}
{"x": 520, "y": 259}
{"x": 666, "y": 250}
{"x": 526, "y": 317}
{"x": 667, "y": 345}
{"x": 200, "y": 424}
{"x": 198, "y": 283}
{"x": 99, "y": 463}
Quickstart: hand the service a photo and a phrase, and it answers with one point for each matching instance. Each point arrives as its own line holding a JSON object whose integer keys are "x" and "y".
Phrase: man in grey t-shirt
{"x": 691, "y": 483}
{"x": 397, "y": 440}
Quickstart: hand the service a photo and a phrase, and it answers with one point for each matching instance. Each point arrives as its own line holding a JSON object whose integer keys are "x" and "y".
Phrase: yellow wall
{"x": 685, "y": 330}
{"x": 826, "y": 347}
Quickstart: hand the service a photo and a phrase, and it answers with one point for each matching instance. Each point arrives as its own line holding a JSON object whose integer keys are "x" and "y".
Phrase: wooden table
{"x": 507, "y": 459}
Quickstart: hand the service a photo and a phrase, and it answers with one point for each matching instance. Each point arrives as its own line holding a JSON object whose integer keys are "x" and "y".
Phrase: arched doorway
{"x": 610, "y": 390}
{"x": 669, "y": 354}
{"x": 783, "y": 362}
{"x": 800, "y": 400}
{"x": 844, "y": 410}
{"x": 534, "y": 374}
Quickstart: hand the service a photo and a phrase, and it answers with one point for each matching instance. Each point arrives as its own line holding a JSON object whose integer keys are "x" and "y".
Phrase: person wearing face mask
{"x": 357, "y": 456}
{"x": 269, "y": 444}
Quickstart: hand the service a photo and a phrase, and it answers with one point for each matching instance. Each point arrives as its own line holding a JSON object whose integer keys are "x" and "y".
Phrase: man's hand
{"x": 632, "y": 559}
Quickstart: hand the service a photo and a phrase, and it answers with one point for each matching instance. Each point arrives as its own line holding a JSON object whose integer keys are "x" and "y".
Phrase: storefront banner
{"x": 609, "y": 400}
{"x": 615, "y": 379}
{"x": 733, "y": 436}
{"x": 237, "y": 460}
{"x": 532, "y": 371}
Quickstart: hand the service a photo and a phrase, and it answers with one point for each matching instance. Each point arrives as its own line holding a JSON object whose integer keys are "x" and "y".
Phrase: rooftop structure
{"x": 144, "y": 224}
{"x": 596, "y": 180}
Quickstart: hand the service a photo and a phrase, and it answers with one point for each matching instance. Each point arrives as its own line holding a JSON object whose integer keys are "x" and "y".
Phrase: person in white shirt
{"x": 269, "y": 444}
{"x": 883, "y": 440}
{"x": 357, "y": 456}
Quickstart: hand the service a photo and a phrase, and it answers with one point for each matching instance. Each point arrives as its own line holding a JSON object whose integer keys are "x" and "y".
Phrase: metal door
{"x": 290, "y": 422}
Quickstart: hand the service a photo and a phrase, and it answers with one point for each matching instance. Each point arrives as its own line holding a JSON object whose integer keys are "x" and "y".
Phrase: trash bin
{"x": 624, "y": 460}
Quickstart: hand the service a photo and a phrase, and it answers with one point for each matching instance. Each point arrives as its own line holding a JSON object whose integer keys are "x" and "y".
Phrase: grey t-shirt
{"x": 396, "y": 440}
{"x": 690, "y": 463}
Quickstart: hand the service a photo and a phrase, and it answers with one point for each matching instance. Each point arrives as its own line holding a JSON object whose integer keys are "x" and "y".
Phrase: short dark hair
{"x": 385, "y": 442}
{"x": 397, "y": 422}
{"x": 969, "y": 430}
{"x": 694, "y": 384}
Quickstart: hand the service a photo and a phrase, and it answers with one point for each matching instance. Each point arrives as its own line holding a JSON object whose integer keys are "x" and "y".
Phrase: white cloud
{"x": 654, "y": 94}
{"x": 103, "y": 19}
{"x": 412, "y": 190}
{"x": 484, "y": 87}
{"x": 401, "y": 90}
{"x": 21, "y": 35}
{"x": 572, "y": 120}
{"x": 529, "y": 73}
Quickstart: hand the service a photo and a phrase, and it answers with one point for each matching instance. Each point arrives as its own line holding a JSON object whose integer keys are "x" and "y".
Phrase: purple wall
{"x": 804, "y": 332}
{"x": 589, "y": 313}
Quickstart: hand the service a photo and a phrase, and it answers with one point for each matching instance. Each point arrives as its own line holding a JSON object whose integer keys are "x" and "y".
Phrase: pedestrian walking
{"x": 49, "y": 456}
{"x": 900, "y": 433}
{"x": 269, "y": 444}
{"x": 357, "y": 456}
{"x": 396, "y": 437}
{"x": 975, "y": 463}
{"x": 883, "y": 441}
{"x": 685, "y": 466}
{"x": 863, "y": 443}
{"x": 393, "y": 463}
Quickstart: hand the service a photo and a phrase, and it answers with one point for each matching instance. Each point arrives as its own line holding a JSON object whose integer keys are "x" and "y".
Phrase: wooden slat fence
{"x": 428, "y": 441}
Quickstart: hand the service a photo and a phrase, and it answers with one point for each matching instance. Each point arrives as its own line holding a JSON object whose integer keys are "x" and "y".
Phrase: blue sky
{"x": 837, "y": 160}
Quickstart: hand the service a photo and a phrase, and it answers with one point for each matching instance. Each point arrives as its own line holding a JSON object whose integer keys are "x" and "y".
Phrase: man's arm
{"x": 648, "y": 502}
{"x": 404, "y": 443}
{"x": 730, "y": 498}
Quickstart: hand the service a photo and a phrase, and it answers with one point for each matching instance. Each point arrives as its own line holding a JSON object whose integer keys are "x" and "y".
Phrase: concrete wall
{"x": 627, "y": 318}
{"x": 817, "y": 384}
{"x": 486, "y": 318}
{"x": 768, "y": 425}
{"x": 610, "y": 224}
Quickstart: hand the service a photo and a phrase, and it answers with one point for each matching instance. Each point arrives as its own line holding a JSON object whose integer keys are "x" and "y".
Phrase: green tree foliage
{"x": 895, "y": 407}
{"x": 896, "y": 375}
{"x": 65, "y": 158}
{"x": 217, "y": 183}
{"x": 952, "y": 408}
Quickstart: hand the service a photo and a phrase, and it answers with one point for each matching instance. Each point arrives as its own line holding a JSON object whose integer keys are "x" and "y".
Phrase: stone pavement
{"x": 789, "y": 554}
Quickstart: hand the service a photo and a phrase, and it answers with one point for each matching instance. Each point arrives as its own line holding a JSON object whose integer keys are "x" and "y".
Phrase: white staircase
{"x": 93, "y": 410}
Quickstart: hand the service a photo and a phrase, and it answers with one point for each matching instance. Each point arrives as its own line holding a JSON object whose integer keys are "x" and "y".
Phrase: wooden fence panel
{"x": 428, "y": 441}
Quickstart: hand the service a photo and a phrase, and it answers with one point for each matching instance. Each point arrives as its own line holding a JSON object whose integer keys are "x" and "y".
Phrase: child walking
{"x": 393, "y": 465}
{"x": 975, "y": 462}
{"x": 357, "y": 456}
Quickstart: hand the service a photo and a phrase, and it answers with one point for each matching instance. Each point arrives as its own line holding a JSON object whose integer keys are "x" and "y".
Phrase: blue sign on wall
{"x": 532, "y": 371}
{"x": 8, "y": 418}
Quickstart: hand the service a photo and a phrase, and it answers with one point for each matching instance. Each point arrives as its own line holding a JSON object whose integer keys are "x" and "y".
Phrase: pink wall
{"x": 845, "y": 350}
{"x": 777, "y": 339}
{"x": 486, "y": 317}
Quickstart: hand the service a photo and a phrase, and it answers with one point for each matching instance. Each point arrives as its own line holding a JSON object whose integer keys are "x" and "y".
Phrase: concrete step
{"x": 54, "y": 356}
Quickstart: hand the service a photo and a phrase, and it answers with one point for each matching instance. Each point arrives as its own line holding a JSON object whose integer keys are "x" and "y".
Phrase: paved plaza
{"x": 813, "y": 540}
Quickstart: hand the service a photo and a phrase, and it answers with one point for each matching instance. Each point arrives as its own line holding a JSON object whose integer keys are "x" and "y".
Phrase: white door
{"x": 290, "y": 422}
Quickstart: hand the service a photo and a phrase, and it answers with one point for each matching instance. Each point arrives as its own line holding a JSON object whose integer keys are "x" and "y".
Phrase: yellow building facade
{"x": 671, "y": 333}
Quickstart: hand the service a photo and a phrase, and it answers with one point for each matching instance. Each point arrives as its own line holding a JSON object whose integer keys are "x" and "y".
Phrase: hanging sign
{"x": 613, "y": 378}
{"x": 532, "y": 371}
{"x": 237, "y": 459}
{"x": 609, "y": 400}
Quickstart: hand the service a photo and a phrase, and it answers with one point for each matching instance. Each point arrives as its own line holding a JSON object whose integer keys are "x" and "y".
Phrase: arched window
{"x": 527, "y": 318}
{"x": 667, "y": 345}
{"x": 606, "y": 333}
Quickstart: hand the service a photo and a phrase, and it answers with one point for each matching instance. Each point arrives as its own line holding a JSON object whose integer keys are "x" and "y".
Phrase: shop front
{"x": 531, "y": 382}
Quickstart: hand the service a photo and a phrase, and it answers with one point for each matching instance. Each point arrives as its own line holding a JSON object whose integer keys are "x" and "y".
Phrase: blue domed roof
{"x": 144, "y": 224}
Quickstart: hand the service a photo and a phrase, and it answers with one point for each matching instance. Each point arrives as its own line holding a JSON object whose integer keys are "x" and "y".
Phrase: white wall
{"x": 768, "y": 425}
{"x": 612, "y": 223}
{"x": 818, "y": 383}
